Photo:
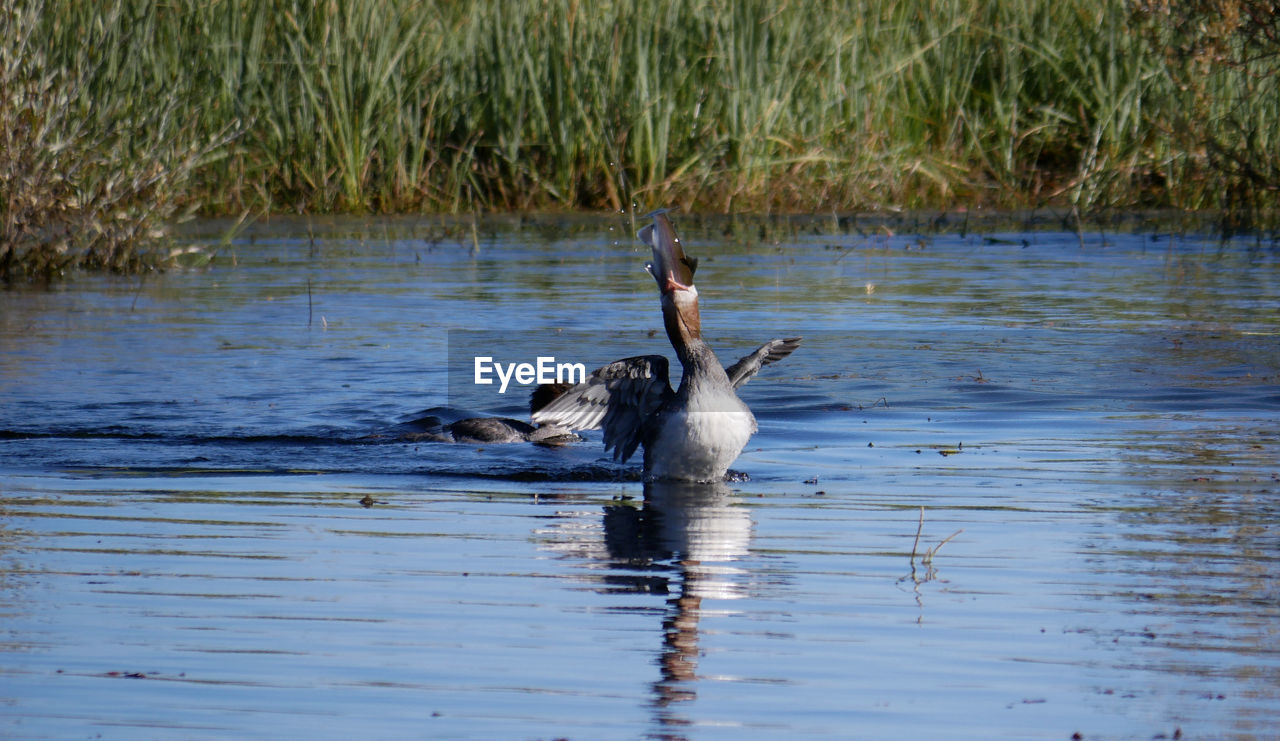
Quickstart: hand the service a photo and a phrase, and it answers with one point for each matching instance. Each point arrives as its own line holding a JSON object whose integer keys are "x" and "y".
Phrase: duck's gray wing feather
{"x": 617, "y": 398}
{"x": 770, "y": 352}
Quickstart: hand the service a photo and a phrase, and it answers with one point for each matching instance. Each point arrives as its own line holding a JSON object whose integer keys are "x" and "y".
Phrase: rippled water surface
{"x": 1012, "y": 485}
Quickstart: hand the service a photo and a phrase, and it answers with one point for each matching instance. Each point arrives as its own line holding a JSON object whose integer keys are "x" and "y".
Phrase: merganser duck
{"x": 692, "y": 433}
{"x": 488, "y": 430}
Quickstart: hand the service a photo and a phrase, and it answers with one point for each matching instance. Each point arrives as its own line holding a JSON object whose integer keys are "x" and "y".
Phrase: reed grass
{"x": 718, "y": 106}
{"x": 1222, "y": 58}
{"x": 87, "y": 181}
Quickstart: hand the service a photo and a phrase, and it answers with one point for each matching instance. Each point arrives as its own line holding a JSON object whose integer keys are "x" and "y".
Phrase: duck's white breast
{"x": 699, "y": 444}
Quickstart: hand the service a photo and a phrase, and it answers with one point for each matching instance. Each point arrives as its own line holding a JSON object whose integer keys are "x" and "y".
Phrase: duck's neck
{"x": 701, "y": 366}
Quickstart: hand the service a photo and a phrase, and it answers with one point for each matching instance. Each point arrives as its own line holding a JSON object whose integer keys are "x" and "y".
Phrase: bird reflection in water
{"x": 697, "y": 530}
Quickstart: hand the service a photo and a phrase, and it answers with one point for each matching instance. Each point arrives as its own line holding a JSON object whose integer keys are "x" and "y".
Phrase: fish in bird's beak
{"x": 674, "y": 272}
{"x": 671, "y": 268}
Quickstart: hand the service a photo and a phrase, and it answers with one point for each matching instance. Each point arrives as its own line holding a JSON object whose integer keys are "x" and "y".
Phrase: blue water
{"x": 1010, "y": 486}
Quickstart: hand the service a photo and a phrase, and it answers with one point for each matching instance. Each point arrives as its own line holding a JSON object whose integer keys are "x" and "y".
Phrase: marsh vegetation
{"x": 121, "y": 116}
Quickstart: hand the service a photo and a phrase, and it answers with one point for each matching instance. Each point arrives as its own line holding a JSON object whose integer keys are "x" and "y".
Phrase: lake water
{"x": 1013, "y": 485}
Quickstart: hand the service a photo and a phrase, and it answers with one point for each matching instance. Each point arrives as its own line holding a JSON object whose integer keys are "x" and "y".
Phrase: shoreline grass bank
{"x": 132, "y": 113}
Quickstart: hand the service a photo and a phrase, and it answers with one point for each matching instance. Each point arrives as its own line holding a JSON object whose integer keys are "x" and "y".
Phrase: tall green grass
{"x": 87, "y": 180}
{"x": 1222, "y": 58}
{"x": 751, "y": 105}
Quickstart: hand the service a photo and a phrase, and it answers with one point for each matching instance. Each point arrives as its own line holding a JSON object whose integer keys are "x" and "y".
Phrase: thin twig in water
{"x": 929, "y": 554}
{"x": 142, "y": 278}
{"x": 927, "y": 559}
{"x": 919, "y": 528}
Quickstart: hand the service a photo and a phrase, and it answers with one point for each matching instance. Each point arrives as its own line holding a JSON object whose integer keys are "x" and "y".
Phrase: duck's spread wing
{"x": 770, "y": 352}
{"x": 616, "y": 398}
